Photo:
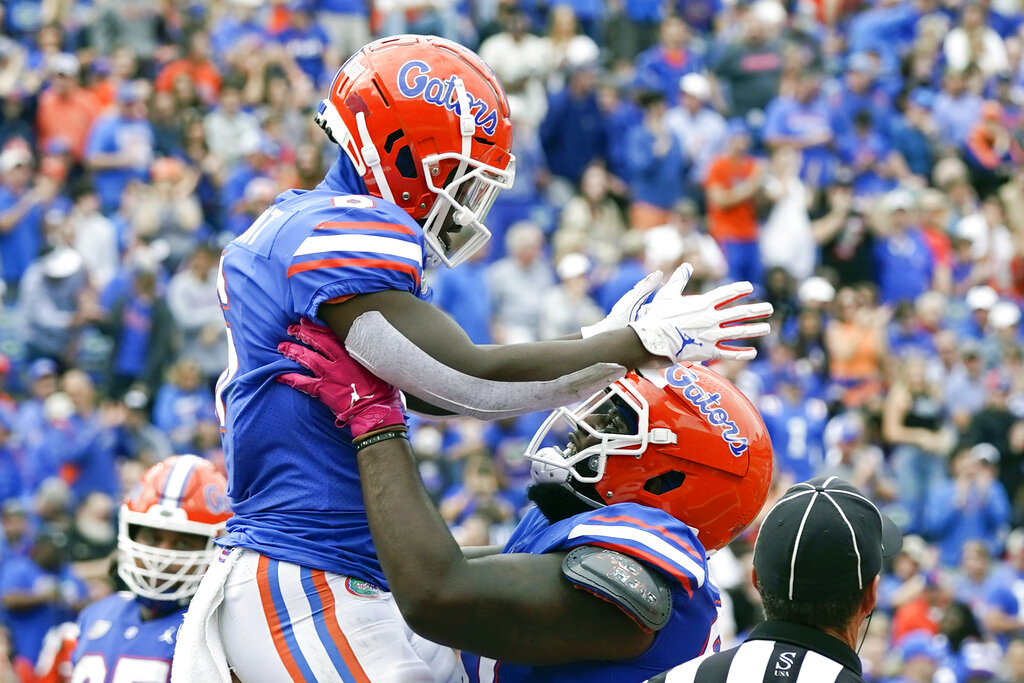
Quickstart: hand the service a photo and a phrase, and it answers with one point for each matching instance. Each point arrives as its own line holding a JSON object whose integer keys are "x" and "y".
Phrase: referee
{"x": 816, "y": 564}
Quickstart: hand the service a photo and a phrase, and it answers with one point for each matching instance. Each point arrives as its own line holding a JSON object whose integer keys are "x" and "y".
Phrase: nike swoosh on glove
{"x": 693, "y": 328}
{"x": 359, "y": 399}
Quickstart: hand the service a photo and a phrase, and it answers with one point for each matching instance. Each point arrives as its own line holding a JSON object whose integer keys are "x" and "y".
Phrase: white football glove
{"x": 690, "y": 328}
{"x": 626, "y": 309}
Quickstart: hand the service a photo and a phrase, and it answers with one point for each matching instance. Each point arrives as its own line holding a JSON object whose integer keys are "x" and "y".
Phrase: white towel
{"x": 199, "y": 652}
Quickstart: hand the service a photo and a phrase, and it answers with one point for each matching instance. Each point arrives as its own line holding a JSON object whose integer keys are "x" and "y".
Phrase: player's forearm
{"x": 440, "y": 337}
{"x": 516, "y": 607}
{"x": 414, "y": 546}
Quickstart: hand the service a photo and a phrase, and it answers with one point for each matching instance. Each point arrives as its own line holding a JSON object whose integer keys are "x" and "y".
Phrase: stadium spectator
{"x": 801, "y": 121}
{"x": 39, "y": 591}
{"x": 120, "y": 146}
{"x": 700, "y": 129}
{"x": 992, "y": 152}
{"x": 995, "y": 424}
{"x": 956, "y": 109}
{"x": 786, "y": 240}
{"x": 975, "y": 578}
{"x": 971, "y": 505}
{"x": 66, "y": 110}
{"x": 655, "y": 165}
{"x": 142, "y": 329}
{"x": 855, "y": 346}
{"x": 136, "y": 437}
{"x": 22, "y": 205}
{"x": 519, "y": 59}
{"x": 906, "y": 266}
{"x": 733, "y": 181}
{"x": 181, "y": 403}
{"x": 565, "y": 47}
{"x": 49, "y": 297}
{"x": 591, "y": 221}
{"x": 567, "y": 307}
{"x": 517, "y": 283}
{"x": 307, "y": 43}
{"x": 464, "y": 294}
{"x": 913, "y": 424}
{"x": 973, "y": 42}
{"x": 192, "y": 300}
{"x": 196, "y": 66}
{"x": 574, "y": 131}
{"x": 663, "y": 66}
{"x": 749, "y": 69}
{"x": 230, "y": 130}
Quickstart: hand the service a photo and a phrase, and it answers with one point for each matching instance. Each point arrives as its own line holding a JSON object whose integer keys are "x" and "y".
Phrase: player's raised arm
{"x": 418, "y": 348}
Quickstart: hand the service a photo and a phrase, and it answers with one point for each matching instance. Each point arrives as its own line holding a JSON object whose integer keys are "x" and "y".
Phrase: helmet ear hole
{"x": 404, "y": 163}
{"x": 663, "y": 483}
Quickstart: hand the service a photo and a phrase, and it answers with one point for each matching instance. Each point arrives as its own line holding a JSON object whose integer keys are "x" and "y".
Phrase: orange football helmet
{"x": 423, "y": 118}
{"x": 686, "y": 441}
{"x": 183, "y": 493}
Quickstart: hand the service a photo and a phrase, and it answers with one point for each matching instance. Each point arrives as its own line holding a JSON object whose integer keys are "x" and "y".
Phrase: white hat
{"x": 898, "y": 200}
{"x": 61, "y": 263}
{"x": 816, "y": 289}
{"x": 65, "y": 64}
{"x": 1004, "y": 314}
{"x": 14, "y": 156}
{"x": 696, "y": 85}
{"x": 981, "y": 297}
{"x": 662, "y": 244}
{"x": 768, "y": 12}
{"x": 58, "y": 406}
{"x": 572, "y": 265}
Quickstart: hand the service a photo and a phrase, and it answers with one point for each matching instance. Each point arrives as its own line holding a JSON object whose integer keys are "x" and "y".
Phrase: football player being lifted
{"x": 424, "y": 135}
{"x": 606, "y": 578}
{"x": 165, "y": 543}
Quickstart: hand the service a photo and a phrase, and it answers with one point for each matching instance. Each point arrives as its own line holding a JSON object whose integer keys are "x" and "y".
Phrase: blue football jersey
{"x": 292, "y": 474}
{"x": 646, "y": 534}
{"x": 115, "y": 644}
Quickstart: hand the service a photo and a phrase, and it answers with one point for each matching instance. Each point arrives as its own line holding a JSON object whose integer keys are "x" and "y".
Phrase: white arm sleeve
{"x": 386, "y": 352}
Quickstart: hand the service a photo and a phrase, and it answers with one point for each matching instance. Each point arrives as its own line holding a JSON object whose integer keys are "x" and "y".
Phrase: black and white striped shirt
{"x": 775, "y": 652}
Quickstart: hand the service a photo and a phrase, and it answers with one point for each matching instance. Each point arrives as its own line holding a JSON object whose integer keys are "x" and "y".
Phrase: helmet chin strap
{"x": 372, "y": 158}
{"x": 467, "y": 126}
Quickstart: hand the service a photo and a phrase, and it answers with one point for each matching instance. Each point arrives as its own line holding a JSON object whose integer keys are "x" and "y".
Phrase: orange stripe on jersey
{"x": 331, "y": 619}
{"x": 274, "y": 621}
{"x": 630, "y": 551}
{"x": 345, "y": 225}
{"x": 694, "y": 555}
{"x": 358, "y": 263}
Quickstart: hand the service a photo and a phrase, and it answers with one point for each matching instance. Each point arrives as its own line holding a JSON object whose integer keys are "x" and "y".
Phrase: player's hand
{"x": 626, "y": 309}
{"x": 360, "y": 400}
{"x": 693, "y": 328}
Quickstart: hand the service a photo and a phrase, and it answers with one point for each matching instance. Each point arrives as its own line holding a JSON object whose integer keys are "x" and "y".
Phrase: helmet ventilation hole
{"x": 381, "y": 93}
{"x": 663, "y": 483}
{"x": 404, "y": 163}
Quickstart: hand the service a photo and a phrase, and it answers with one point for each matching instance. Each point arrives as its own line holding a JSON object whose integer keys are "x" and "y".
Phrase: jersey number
{"x": 93, "y": 669}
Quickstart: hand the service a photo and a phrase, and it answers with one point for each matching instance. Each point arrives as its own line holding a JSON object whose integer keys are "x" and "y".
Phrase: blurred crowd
{"x": 860, "y": 161}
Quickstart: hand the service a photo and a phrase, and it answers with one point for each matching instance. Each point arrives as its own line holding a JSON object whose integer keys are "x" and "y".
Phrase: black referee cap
{"x": 822, "y": 540}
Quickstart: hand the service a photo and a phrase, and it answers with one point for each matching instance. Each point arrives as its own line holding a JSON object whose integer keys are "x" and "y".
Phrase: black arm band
{"x": 377, "y": 438}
